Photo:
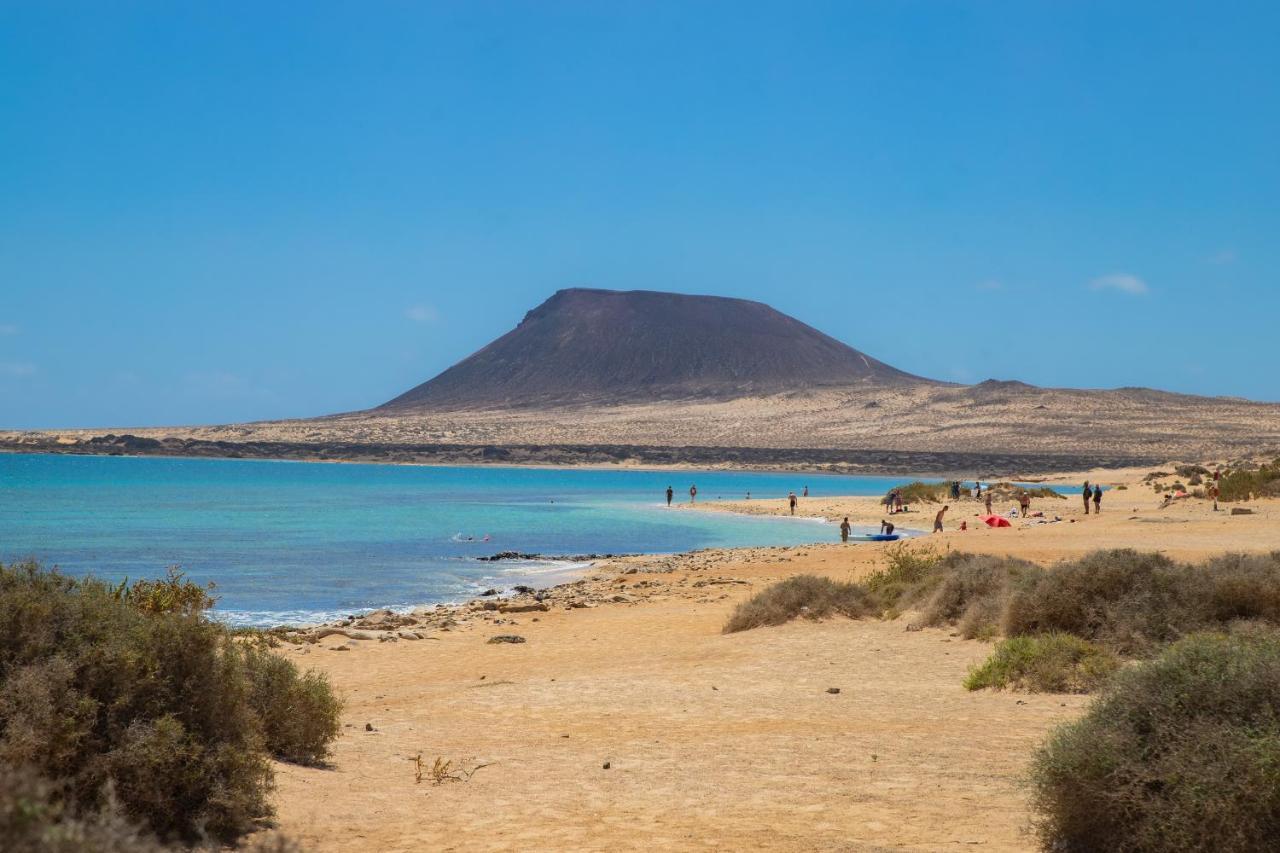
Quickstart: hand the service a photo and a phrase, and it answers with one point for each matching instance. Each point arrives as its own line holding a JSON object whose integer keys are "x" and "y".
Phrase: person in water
{"x": 937, "y": 519}
{"x": 886, "y": 527}
{"x": 670, "y": 494}
{"x": 844, "y": 529}
{"x": 693, "y": 493}
{"x": 791, "y": 498}
{"x": 1088, "y": 493}
{"x": 806, "y": 491}
{"x": 1097, "y": 499}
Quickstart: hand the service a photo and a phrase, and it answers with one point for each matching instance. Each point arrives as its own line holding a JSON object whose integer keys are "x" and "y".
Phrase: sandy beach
{"x": 626, "y": 720}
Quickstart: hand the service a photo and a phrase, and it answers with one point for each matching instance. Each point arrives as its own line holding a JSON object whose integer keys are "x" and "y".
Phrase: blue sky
{"x": 224, "y": 211}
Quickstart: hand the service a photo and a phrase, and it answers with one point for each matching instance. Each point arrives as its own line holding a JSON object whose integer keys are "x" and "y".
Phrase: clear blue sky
{"x": 224, "y": 211}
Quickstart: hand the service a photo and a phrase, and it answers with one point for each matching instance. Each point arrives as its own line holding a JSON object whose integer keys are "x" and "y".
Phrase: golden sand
{"x": 711, "y": 741}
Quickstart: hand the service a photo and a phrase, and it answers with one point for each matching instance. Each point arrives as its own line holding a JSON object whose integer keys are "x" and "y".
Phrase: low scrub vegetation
{"x": 1136, "y": 602}
{"x": 928, "y": 493}
{"x": 1133, "y": 603}
{"x": 804, "y": 595}
{"x": 1048, "y": 663}
{"x": 1178, "y": 753}
{"x": 129, "y": 700}
{"x": 1243, "y": 484}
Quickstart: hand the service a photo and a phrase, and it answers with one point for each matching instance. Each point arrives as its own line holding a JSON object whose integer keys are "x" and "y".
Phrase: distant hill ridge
{"x": 609, "y": 346}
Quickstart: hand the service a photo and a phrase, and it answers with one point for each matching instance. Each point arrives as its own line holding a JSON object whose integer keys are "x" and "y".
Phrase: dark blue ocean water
{"x": 296, "y": 541}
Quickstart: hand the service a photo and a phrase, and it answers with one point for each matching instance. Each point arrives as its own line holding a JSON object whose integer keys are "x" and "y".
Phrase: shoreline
{"x": 621, "y": 716}
{"x": 865, "y": 462}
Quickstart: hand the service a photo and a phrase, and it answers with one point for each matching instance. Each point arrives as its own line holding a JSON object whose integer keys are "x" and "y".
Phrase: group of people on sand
{"x": 1095, "y": 495}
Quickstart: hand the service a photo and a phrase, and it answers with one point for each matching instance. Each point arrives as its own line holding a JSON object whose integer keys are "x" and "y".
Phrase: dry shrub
{"x": 909, "y": 575}
{"x": 300, "y": 714}
{"x": 803, "y": 595}
{"x": 1135, "y": 602}
{"x": 1049, "y": 663}
{"x": 152, "y": 700}
{"x": 972, "y": 590}
{"x": 1178, "y": 753}
{"x": 33, "y": 819}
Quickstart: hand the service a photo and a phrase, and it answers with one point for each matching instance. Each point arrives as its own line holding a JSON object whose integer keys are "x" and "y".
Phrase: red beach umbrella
{"x": 995, "y": 521}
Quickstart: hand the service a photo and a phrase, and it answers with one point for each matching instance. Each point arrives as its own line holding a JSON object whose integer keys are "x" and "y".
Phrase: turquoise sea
{"x": 302, "y": 542}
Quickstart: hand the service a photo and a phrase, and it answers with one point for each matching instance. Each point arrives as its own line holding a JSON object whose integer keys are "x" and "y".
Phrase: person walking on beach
{"x": 1097, "y": 499}
{"x": 1024, "y": 500}
{"x": 670, "y": 494}
{"x": 693, "y": 493}
{"x": 791, "y": 498}
{"x": 937, "y": 519}
{"x": 1088, "y": 493}
{"x": 844, "y": 529}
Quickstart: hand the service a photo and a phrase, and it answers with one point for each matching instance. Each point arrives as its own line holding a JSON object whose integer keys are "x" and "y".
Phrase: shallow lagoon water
{"x": 303, "y": 542}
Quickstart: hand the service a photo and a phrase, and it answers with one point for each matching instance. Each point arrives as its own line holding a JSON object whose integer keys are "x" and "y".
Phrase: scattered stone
{"x": 1240, "y": 510}
{"x": 368, "y": 727}
{"x": 912, "y": 626}
{"x": 833, "y": 690}
{"x": 607, "y": 765}
{"x": 342, "y": 648}
{"x": 523, "y": 608}
{"x": 489, "y": 592}
{"x": 506, "y": 638}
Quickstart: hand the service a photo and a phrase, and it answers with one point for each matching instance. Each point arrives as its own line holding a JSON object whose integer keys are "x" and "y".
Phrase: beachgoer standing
{"x": 670, "y": 494}
{"x": 977, "y": 490}
{"x": 897, "y": 500}
{"x": 806, "y": 491}
{"x": 1024, "y": 500}
{"x": 844, "y": 529}
{"x": 693, "y": 493}
{"x": 937, "y": 519}
{"x": 1097, "y": 499}
{"x": 791, "y": 498}
{"x": 1088, "y": 493}
{"x": 988, "y": 502}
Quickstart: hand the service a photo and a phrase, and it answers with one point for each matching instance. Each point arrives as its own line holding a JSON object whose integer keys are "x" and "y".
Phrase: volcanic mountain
{"x": 607, "y": 346}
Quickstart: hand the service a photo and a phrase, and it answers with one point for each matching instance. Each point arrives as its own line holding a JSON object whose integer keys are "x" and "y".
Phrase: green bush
{"x": 172, "y": 594}
{"x": 103, "y": 688}
{"x": 928, "y": 493}
{"x": 909, "y": 572}
{"x": 300, "y": 714}
{"x": 803, "y": 595}
{"x": 1049, "y": 663}
{"x": 1179, "y": 753}
{"x": 1241, "y": 484}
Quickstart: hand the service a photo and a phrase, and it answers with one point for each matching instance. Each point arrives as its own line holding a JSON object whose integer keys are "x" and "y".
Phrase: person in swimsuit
{"x": 844, "y": 529}
{"x": 670, "y": 494}
{"x": 693, "y": 494}
{"x": 937, "y": 519}
{"x": 791, "y": 498}
{"x": 886, "y": 527}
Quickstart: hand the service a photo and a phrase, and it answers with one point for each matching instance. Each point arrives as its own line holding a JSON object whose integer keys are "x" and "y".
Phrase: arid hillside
{"x": 599, "y": 377}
